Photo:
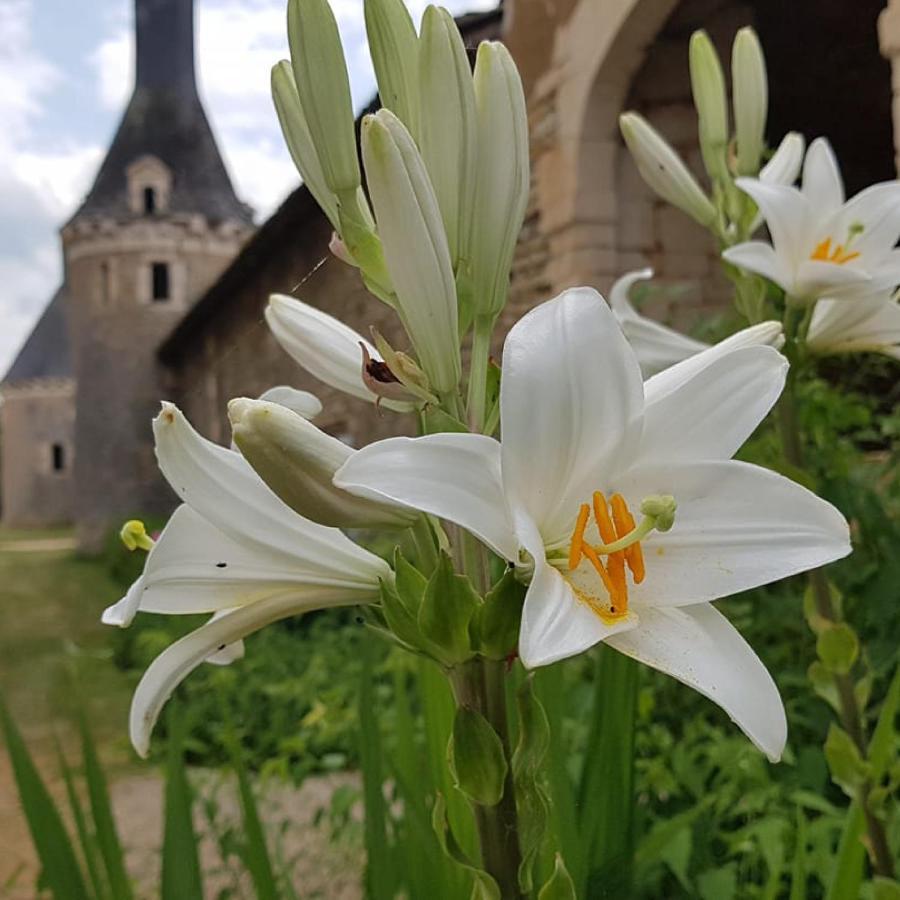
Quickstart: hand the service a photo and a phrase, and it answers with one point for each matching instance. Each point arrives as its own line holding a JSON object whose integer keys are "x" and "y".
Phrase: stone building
{"x": 165, "y": 200}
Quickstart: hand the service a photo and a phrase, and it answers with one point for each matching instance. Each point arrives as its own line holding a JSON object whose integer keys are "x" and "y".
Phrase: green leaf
{"x": 718, "y": 884}
{"x": 885, "y": 889}
{"x": 560, "y": 885}
{"x": 527, "y": 764}
{"x": 400, "y": 620}
{"x": 492, "y": 397}
{"x": 499, "y": 617}
{"x": 60, "y": 873}
{"x": 447, "y": 608}
{"x": 838, "y": 648}
{"x": 814, "y": 619}
{"x": 485, "y": 888}
{"x": 437, "y": 421}
{"x": 104, "y": 824}
{"x": 847, "y": 875}
{"x": 822, "y": 682}
{"x": 799, "y": 868}
{"x": 848, "y": 769}
{"x": 882, "y": 741}
{"x": 410, "y": 582}
{"x": 476, "y": 758}
{"x": 181, "y": 876}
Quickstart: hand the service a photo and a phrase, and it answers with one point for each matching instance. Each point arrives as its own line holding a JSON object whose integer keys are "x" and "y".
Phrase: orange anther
{"x": 575, "y": 550}
{"x": 604, "y": 524}
{"x": 624, "y": 523}
{"x": 594, "y": 560}
{"x": 822, "y": 251}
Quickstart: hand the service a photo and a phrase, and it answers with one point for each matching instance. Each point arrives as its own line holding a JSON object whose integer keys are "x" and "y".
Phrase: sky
{"x": 66, "y": 72}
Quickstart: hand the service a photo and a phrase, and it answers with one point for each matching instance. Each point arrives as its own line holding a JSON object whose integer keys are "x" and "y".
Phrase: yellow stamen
{"x": 824, "y": 253}
{"x": 575, "y": 550}
{"x": 624, "y": 523}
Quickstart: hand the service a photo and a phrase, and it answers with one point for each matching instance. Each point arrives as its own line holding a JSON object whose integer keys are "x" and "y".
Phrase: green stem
{"x": 478, "y": 367}
{"x": 849, "y": 712}
{"x": 478, "y": 685}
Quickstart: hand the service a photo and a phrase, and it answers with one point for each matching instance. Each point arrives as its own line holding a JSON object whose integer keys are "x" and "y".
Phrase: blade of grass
{"x": 606, "y": 794}
{"x": 61, "y": 872}
{"x": 181, "y": 876}
{"x": 798, "y": 870}
{"x": 379, "y": 869}
{"x": 104, "y": 823}
{"x": 90, "y": 852}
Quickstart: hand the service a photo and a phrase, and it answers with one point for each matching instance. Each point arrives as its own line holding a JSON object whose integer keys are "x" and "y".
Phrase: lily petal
{"x": 864, "y": 323}
{"x": 555, "y": 624}
{"x": 787, "y": 214}
{"x": 823, "y": 186}
{"x": 702, "y": 649}
{"x": 710, "y": 415}
{"x": 175, "y": 663}
{"x": 301, "y": 402}
{"x": 452, "y": 476}
{"x": 758, "y": 257}
{"x": 737, "y": 527}
{"x": 221, "y": 486}
{"x": 568, "y": 358}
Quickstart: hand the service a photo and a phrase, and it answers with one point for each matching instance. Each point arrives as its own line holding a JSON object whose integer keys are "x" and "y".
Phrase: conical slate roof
{"x": 165, "y": 118}
{"x": 46, "y": 353}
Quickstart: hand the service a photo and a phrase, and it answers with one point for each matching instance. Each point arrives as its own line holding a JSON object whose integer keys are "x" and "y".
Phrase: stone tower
{"x": 159, "y": 224}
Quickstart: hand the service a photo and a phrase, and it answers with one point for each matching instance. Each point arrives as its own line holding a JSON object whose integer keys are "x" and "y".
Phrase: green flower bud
{"x": 708, "y": 88}
{"x": 298, "y": 461}
{"x": 395, "y": 48}
{"x": 448, "y": 125}
{"x": 299, "y": 140}
{"x": 476, "y": 758}
{"x": 415, "y": 246}
{"x": 662, "y": 169}
{"x": 750, "y": 92}
{"x": 323, "y": 87}
{"x": 504, "y": 176}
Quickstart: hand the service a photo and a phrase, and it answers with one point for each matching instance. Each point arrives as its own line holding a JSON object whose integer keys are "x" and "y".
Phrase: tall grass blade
{"x": 181, "y": 878}
{"x": 379, "y": 869}
{"x": 61, "y": 872}
{"x": 104, "y": 823}
{"x": 606, "y": 794}
{"x": 90, "y": 852}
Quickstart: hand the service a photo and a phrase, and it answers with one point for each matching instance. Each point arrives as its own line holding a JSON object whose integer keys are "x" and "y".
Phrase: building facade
{"x": 166, "y": 288}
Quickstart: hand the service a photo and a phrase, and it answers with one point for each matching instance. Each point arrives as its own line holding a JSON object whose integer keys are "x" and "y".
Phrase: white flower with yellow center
{"x": 867, "y": 324}
{"x": 587, "y": 451}
{"x": 821, "y": 244}
{"x": 235, "y": 550}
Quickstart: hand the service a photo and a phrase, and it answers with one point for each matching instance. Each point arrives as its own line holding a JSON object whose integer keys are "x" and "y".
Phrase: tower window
{"x": 160, "y": 281}
{"x": 149, "y": 201}
{"x": 105, "y": 285}
{"x": 58, "y": 457}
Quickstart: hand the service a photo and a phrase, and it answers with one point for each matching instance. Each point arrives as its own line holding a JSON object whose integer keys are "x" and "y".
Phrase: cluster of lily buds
{"x": 446, "y": 175}
{"x": 727, "y": 153}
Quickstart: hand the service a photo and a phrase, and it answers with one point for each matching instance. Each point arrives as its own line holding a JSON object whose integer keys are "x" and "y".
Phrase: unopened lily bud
{"x": 323, "y": 87}
{"x": 504, "y": 175}
{"x": 662, "y": 169}
{"x": 301, "y": 402}
{"x": 750, "y": 91}
{"x": 786, "y": 161}
{"x": 708, "y": 88}
{"x": 322, "y": 345}
{"x": 394, "y": 46}
{"x": 299, "y": 140}
{"x": 298, "y": 461}
{"x": 415, "y": 246}
{"x": 133, "y": 535}
{"x": 448, "y": 125}
{"x": 662, "y": 508}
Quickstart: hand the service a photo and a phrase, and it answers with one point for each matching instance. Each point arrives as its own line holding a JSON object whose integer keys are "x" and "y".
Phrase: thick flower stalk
{"x": 580, "y": 496}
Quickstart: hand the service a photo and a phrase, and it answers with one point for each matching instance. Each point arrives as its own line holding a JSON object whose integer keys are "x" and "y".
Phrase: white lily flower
{"x": 235, "y": 550}
{"x": 657, "y": 346}
{"x": 822, "y": 245}
{"x": 579, "y": 426}
{"x": 297, "y": 461}
{"x": 867, "y": 323}
{"x": 324, "y": 346}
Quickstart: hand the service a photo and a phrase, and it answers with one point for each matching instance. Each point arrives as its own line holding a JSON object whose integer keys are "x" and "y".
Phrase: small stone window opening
{"x": 149, "y": 200}
{"x": 161, "y": 288}
{"x": 105, "y": 284}
{"x": 58, "y": 457}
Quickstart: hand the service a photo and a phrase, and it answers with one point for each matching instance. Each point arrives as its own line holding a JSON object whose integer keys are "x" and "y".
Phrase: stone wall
{"x": 35, "y": 416}
{"x": 116, "y": 326}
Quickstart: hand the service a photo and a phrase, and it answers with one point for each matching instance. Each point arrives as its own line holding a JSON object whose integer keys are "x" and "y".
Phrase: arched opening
{"x": 827, "y": 77}
{"x": 149, "y": 200}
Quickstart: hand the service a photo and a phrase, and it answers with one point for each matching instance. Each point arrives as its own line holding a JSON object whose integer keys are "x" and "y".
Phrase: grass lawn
{"x": 53, "y": 648}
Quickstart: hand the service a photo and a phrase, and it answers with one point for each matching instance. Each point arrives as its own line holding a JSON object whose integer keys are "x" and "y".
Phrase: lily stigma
{"x": 621, "y": 545}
